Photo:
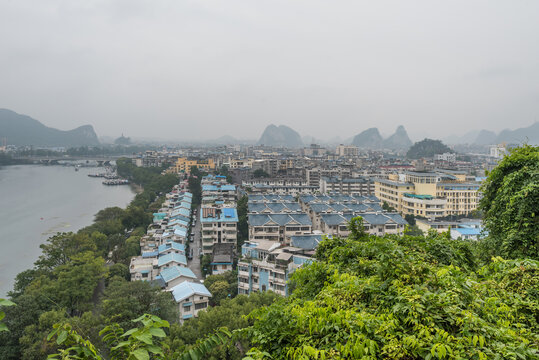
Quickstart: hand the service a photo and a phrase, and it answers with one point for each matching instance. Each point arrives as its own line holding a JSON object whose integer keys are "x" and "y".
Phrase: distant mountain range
{"x": 280, "y": 136}
{"x": 528, "y": 134}
{"x": 23, "y": 130}
{"x": 371, "y": 139}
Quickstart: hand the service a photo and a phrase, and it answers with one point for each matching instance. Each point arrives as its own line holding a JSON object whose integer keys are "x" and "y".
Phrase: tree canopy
{"x": 510, "y": 204}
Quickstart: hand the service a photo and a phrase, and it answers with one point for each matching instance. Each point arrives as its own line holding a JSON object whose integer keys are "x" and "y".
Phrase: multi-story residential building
{"x": 464, "y": 228}
{"x": 498, "y": 151}
{"x": 240, "y": 163}
{"x": 374, "y": 223}
{"x": 284, "y": 189}
{"x": 225, "y": 192}
{"x": 314, "y": 175}
{"x": 449, "y": 157}
{"x": 314, "y": 150}
{"x": 349, "y": 186}
{"x": 278, "y": 227}
{"x": 273, "y": 207}
{"x": 184, "y": 165}
{"x": 191, "y": 298}
{"x": 265, "y": 266}
{"x": 429, "y": 194}
{"x": 347, "y": 150}
{"x": 142, "y": 268}
{"x": 219, "y": 225}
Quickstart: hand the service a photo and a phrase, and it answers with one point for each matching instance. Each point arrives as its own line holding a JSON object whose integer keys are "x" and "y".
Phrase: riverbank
{"x": 39, "y": 201}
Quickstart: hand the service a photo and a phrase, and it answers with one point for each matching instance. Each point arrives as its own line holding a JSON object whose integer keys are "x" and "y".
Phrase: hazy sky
{"x": 201, "y": 69}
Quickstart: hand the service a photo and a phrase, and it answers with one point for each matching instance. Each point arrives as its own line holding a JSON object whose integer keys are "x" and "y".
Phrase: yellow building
{"x": 430, "y": 195}
{"x": 185, "y": 164}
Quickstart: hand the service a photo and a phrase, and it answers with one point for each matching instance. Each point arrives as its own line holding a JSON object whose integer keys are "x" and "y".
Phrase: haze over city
{"x": 200, "y": 70}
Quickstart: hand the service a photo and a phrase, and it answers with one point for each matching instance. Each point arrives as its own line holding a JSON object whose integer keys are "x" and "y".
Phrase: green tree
{"x": 124, "y": 300}
{"x": 222, "y": 286}
{"x": 510, "y": 205}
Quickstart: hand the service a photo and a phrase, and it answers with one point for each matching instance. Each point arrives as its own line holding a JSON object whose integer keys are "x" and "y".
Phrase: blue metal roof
{"x": 172, "y": 257}
{"x": 306, "y": 242}
{"x": 280, "y": 219}
{"x": 171, "y": 246}
{"x": 175, "y": 272}
{"x": 149, "y": 254}
{"x": 186, "y": 289}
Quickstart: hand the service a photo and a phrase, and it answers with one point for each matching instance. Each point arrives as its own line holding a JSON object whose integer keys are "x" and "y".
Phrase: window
{"x": 187, "y": 308}
{"x": 201, "y": 306}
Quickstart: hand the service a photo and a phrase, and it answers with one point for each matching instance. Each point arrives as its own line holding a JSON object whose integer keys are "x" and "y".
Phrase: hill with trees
{"x": 427, "y": 148}
{"x": 23, "y": 130}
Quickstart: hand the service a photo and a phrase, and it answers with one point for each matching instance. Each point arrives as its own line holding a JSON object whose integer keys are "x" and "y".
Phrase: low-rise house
{"x": 170, "y": 260}
{"x": 175, "y": 275}
{"x": 171, "y": 247}
{"x": 191, "y": 298}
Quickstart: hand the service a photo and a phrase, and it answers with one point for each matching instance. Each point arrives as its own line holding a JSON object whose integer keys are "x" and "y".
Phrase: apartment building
{"x": 184, "y": 165}
{"x": 219, "y": 225}
{"x": 347, "y": 150}
{"x": 264, "y": 266}
{"x": 378, "y": 224}
{"x": 429, "y": 194}
{"x": 278, "y": 227}
{"x": 314, "y": 175}
{"x": 348, "y": 186}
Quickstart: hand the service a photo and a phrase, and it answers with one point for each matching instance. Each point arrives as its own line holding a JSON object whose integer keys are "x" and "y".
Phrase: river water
{"x": 39, "y": 201}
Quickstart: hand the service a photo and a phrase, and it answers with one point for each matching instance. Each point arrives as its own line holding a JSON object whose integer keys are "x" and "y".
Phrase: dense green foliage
{"x": 510, "y": 204}
{"x": 427, "y": 148}
{"x": 404, "y": 298}
{"x": 222, "y": 286}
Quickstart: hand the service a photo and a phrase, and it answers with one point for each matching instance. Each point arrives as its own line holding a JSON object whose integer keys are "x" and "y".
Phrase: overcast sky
{"x": 184, "y": 69}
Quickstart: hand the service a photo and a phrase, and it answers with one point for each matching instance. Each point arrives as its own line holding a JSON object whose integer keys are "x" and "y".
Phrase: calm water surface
{"x": 39, "y": 201}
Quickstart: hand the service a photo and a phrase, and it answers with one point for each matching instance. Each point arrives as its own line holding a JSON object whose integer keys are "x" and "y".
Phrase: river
{"x": 39, "y": 201}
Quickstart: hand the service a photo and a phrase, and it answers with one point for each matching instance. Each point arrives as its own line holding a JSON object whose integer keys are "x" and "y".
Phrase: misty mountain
{"x": 467, "y": 138}
{"x": 370, "y": 139}
{"x": 485, "y": 137}
{"x": 399, "y": 140}
{"x": 427, "y": 148}
{"x": 280, "y": 136}
{"x": 23, "y": 130}
{"x": 528, "y": 135}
